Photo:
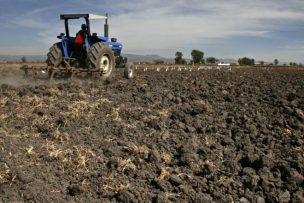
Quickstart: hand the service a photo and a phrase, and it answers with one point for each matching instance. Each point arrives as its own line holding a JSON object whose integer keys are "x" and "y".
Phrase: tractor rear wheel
{"x": 54, "y": 57}
{"x": 101, "y": 57}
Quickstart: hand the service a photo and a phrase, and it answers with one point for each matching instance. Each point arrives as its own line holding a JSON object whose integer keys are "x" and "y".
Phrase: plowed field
{"x": 176, "y": 136}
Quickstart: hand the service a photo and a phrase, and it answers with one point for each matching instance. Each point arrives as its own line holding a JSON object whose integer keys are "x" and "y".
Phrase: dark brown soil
{"x": 200, "y": 136}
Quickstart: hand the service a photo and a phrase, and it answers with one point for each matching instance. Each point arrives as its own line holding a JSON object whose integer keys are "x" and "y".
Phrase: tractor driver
{"x": 81, "y": 35}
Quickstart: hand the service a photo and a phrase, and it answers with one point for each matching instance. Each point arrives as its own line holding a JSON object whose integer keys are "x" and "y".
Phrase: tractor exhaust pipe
{"x": 106, "y": 27}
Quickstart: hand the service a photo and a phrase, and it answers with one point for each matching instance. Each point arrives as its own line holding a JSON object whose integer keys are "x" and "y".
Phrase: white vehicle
{"x": 223, "y": 64}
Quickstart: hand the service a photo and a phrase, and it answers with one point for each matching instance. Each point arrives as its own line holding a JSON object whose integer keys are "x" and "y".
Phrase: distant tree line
{"x": 196, "y": 55}
{"x": 245, "y": 61}
{"x": 295, "y": 64}
{"x": 212, "y": 60}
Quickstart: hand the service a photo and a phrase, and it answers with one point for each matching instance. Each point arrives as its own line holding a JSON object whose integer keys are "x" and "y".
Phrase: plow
{"x": 85, "y": 52}
{"x": 69, "y": 72}
{"x": 49, "y": 72}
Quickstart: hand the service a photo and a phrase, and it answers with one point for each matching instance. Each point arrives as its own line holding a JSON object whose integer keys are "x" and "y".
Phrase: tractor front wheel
{"x": 101, "y": 58}
{"x": 129, "y": 71}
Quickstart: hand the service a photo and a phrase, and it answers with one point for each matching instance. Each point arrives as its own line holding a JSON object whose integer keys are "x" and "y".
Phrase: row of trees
{"x": 197, "y": 57}
{"x": 246, "y": 61}
{"x": 250, "y": 62}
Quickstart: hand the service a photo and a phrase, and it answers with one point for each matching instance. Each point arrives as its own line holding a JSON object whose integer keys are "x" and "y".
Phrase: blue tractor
{"x": 93, "y": 53}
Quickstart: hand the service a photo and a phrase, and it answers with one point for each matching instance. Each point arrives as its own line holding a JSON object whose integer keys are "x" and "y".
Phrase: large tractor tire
{"x": 101, "y": 58}
{"x": 55, "y": 56}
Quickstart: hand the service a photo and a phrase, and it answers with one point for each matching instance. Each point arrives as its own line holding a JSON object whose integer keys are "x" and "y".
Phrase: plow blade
{"x": 36, "y": 72}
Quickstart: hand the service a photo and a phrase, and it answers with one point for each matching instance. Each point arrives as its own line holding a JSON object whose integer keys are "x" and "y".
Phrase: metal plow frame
{"x": 69, "y": 72}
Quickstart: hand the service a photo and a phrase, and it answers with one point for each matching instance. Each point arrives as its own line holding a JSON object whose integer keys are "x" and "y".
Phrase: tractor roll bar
{"x": 66, "y": 23}
{"x": 87, "y": 18}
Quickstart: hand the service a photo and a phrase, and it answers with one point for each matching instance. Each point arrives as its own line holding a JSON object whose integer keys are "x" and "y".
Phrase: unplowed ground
{"x": 180, "y": 136}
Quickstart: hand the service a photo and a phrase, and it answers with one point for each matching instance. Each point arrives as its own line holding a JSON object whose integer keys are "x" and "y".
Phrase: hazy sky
{"x": 262, "y": 29}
